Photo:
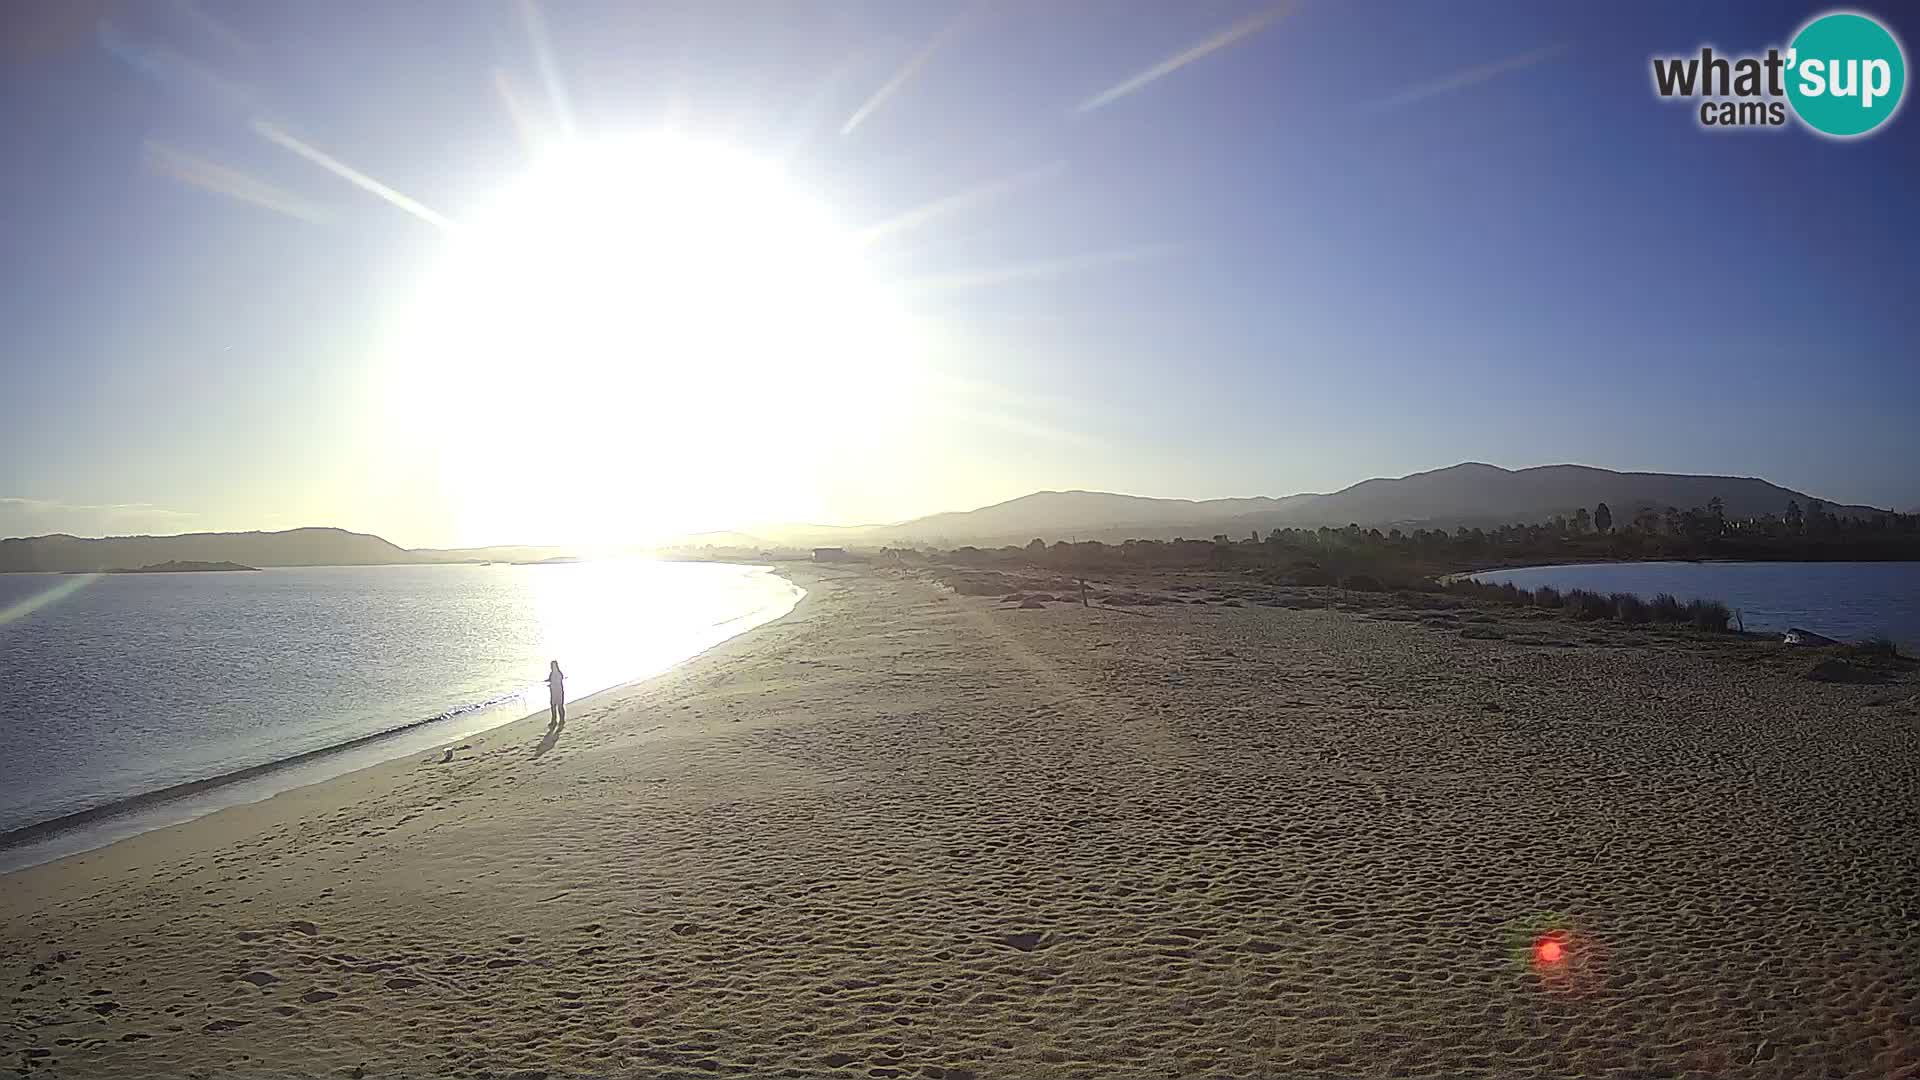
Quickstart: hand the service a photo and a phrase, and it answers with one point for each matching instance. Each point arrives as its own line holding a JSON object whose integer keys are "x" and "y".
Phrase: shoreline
{"x": 908, "y": 832}
{"x": 1852, "y": 602}
{"x": 1717, "y": 561}
{"x": 74, "y": 825}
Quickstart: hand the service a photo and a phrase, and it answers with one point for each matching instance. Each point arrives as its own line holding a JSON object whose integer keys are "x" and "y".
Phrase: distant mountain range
{"x": 1470, "y": 494}
{"x": 294, "y": 547}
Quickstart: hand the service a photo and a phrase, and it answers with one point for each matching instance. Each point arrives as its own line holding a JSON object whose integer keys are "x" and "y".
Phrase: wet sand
{"x": 910, "y": 833}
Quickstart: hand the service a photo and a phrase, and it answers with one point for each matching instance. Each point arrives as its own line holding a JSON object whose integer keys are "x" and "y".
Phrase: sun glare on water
{"x": 640, "y": 335}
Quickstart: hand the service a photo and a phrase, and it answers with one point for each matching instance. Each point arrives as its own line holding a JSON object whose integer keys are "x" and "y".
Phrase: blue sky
{"x": 1362, "y": 239}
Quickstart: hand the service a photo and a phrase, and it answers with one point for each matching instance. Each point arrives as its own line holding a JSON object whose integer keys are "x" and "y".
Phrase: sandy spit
{"x": 906, "y": 833}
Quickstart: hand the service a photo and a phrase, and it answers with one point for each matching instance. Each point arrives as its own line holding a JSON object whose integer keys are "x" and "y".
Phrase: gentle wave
{"x": 99, "y": 723}
{"x": 79, "y": 818}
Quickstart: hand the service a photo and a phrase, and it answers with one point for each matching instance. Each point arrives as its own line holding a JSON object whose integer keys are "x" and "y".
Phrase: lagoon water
{"x": 1844, "y": 600}
{"x": 113, "y": 687}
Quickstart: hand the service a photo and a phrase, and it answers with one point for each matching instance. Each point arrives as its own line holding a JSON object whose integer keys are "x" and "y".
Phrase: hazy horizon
{"x": 596, "y": 272}
{"x": 749, "y": 528}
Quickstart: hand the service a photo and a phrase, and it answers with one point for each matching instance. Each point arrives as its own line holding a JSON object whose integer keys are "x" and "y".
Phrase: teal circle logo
{"x": 1845, "y": 74}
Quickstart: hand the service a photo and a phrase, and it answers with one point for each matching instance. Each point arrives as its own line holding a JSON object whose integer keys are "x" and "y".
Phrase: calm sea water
{"x": 1843, "y": 600}
{"x": 114, "y": 686}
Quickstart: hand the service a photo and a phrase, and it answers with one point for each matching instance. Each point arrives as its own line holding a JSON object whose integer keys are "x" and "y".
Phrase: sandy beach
{"x": 909, "y": 833}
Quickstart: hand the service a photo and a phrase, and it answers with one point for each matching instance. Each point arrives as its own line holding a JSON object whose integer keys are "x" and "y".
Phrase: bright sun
{"x": 676, "y": 335}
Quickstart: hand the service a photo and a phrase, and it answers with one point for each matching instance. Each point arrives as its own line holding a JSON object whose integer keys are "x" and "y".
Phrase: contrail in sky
{"x": 1468, "y": 77}
{"x": 350, "y": 174}
{"x": 1246, "y": 27}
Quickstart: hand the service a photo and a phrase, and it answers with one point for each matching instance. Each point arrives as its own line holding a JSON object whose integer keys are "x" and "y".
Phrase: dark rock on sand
{"x": 1835, "y": 670}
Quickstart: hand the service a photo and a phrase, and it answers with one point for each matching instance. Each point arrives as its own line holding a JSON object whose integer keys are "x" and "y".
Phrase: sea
{"x": 130, "y": 702}
{"x": 1847, "y": 601}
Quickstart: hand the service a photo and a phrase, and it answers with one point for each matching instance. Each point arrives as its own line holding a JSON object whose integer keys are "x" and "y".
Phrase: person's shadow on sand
{"x": 548, "y": 741}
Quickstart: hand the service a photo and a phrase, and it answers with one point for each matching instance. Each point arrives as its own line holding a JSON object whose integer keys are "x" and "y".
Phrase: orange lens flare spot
{"x": 1549, "y": 951}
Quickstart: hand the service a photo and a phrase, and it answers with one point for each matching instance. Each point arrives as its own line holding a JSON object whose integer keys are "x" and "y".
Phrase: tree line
{"x": 1327, "y": 555}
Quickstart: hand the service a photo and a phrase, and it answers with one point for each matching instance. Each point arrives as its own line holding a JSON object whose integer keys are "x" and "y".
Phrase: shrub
{"x": 1708, "y": 614}
{"x": 1548, "y": 596}
{"x": 1503, "y": 593}
{"x": 1364, "y": 583}
{"x": 1667, "y": 609}
{"x": 1629, "y": 608}
{"x": 1589, "y": 605}
{"x": 1513, "y": 594}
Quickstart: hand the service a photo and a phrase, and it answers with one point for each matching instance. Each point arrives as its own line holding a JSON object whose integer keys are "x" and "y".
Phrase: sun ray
{"x": 222, "y": 180}
{"x": 909, "y": 69}
{"x": 526, "y": 125}
{"x": 1245, "y": 28}
{"x": 1462, "y": 79}
{"x": 986, "y": 403}
{"x": 216, "y": 29}
{"x": 803, "y": 122}
{"x": 537, "y": 37}
{"x": 171, "y": 68}
{"x": 350, "y": 174}
{"x": 959, "y": 202}
{"x": 1046, "y": 268}
{"x": 20, "y": 609}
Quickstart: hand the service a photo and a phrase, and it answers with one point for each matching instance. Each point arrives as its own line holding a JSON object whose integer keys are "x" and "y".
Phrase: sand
{"x": 908, "y": 833}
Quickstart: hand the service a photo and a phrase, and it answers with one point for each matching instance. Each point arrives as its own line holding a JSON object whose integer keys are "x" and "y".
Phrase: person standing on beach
{"x": 556, "y": 694}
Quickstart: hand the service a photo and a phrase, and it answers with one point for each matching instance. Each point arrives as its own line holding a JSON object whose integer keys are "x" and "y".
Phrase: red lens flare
{"x": 1549, "y": 952}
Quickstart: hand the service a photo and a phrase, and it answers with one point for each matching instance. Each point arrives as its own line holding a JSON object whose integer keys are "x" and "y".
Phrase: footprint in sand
{"x": 1025, "y": 941}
